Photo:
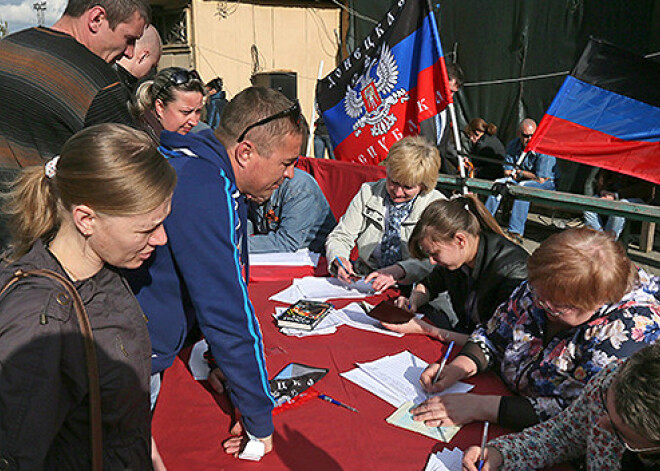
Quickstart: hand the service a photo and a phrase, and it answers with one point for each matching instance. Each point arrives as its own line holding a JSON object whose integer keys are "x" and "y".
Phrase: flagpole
{"x": 452, "y": 112}
{"x": 310, "y": 140}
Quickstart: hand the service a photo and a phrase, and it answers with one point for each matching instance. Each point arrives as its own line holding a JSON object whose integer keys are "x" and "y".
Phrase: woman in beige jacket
{"x": 381, "y": 217}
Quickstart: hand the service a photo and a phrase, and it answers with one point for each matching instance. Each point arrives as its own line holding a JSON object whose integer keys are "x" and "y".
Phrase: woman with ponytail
{"x": 474, "y": 262}
{"x": 583, "y": 307}
{"x": 97, "y": 207}
{"x": 172, "y": 101}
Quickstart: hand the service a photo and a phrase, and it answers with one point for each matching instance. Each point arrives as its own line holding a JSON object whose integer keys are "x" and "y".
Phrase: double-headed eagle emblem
{"x": 370, "y": 98}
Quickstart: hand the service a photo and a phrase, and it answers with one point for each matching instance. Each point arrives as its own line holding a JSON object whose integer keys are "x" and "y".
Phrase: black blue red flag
{"x": 606, "y": 114}
{"x": 394, "y": 80}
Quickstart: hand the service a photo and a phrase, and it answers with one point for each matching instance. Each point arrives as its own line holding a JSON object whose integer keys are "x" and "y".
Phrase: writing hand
{"x": 405, "y": 303}
{"x": 493, "y": 459}
{"x": 413, "y": 326}
{"x": 450, "y": 375}
{"x": 345, "y": 272}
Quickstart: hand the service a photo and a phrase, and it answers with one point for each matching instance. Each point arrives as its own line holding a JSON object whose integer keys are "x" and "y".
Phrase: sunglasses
{"x": 293, "y": 112}
{"x": 652, "y": 449}
{"x": 178, "y": 78}
{"x": 526, "y": 136}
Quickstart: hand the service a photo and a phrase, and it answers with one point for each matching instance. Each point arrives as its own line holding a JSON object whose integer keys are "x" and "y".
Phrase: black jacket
{"x": 44, "y": 397}
{"x": 500, "y": 266}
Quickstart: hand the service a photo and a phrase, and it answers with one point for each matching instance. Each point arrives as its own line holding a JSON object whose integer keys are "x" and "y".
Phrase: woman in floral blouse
{"x": 614, "y": 425}
{"x": 584, "y": 306}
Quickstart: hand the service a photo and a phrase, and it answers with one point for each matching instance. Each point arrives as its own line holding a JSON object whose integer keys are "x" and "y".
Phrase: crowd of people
{"x": 133, "y": 198}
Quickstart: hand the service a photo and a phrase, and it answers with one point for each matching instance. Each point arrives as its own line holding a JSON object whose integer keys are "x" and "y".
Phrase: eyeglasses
{"x": 651, "y": 449}
{"x": 179, "y": 77}
{"x": 545, "y": 305}
{"x": 526, "y": 136}
{"x": 293, "y": 112}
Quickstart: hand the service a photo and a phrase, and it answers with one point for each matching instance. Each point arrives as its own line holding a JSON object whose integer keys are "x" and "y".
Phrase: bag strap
{"x": 90, "y": 355}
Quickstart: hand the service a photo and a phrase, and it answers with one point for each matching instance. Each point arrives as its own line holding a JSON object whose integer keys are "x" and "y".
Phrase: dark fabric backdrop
{"x": 509, "y": 39}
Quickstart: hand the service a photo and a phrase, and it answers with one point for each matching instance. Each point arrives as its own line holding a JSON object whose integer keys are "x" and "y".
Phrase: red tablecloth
{"x": 190, "y": 424}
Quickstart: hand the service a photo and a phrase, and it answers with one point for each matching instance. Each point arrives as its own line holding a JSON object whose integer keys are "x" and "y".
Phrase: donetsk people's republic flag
{"x": 394, "y": 80}
{"x": 606, "y": 114}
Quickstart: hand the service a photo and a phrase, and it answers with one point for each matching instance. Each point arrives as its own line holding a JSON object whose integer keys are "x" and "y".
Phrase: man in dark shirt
{"x": 56, "y": 81}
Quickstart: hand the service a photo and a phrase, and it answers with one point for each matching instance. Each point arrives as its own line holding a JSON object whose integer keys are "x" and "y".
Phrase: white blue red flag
{"x": 394, "y": 80}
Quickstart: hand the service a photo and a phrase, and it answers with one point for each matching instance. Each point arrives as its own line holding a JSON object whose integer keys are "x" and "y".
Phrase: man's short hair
{"x": 637, "y": 392}
{"x": 454, "y": 72}
{"x": 117, "y": 11}
{"x": 250, "y": 106}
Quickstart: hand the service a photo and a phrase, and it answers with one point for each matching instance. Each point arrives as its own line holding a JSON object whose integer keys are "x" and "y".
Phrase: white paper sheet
{"x": 395, "y": 379}
{"x": 445, "y": 460}
{"x": 314, "y": 288}
{"x": 301, "y": 258}
{"x": 199, "y": 367}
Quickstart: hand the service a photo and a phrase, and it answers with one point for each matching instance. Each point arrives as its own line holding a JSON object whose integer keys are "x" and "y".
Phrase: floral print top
{"x": 551, "y": 373}
{"x": 567, "y": 436}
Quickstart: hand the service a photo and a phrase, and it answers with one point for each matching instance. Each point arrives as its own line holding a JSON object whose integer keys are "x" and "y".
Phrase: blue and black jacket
{"x": 201, "y": 275}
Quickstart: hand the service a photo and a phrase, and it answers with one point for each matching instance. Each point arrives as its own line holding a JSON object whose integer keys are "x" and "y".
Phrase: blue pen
{"x": 484, "y": 438}
{"x": 336, "y": 402}
{"x": 444, "y": 362}
{"x": 338, "y": 260}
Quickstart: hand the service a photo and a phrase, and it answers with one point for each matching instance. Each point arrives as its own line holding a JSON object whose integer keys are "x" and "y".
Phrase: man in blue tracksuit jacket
{"x": 201, "y": 275}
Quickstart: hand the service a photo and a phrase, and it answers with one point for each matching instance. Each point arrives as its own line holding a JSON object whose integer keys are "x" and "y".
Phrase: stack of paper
{"x": 446, "y": 460}
{"x": 301, "y": 258}
{"x": 352, "y": 315}
{"x": 313, "y": 288}
{"x": 395, "y": 379}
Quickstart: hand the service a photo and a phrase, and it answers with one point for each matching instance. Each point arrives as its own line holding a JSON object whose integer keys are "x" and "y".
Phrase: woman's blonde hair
{"x": 581, "y": 267}
{"x": 112, "y": 168}
{"x": 442, "y": 219}
{"x": 413, "y": 161}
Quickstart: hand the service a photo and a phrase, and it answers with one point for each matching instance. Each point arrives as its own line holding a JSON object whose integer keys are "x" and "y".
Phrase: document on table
{"x": 314, "y": 288}
{"x": 352, "y": 315}
{"x": 445, "y": 460}
{"x": 395, "y": 379}
{"x": 300, "y": 258}
{"x": 404, "y": 419}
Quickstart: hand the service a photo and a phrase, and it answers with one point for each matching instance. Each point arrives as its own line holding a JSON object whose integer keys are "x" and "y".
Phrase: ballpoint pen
{"x": 444, "y": 361}
{"x": 336, "y": 402}
{"x": 484, "y": 438}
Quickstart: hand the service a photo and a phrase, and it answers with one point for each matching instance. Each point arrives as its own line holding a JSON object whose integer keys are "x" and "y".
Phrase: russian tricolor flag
{"x": 606, "y": 114}
{"x": 394, "y": 80}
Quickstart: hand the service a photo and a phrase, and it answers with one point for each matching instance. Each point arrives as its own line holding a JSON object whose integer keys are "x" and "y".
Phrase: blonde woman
{"x": 381, "y": 217}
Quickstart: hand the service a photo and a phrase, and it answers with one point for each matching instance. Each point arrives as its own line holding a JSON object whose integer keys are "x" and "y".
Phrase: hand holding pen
{"x": 439, "y": 376}
{"x": 345, "y": 271}
{"x": 490, "y": 460}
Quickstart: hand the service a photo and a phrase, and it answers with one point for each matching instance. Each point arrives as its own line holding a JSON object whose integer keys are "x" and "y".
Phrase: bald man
{"x": 536, "y": 171}
{"x": 146, "y": 55}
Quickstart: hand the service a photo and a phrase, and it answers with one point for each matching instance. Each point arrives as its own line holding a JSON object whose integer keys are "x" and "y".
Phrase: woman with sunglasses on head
{"x": 584, "y": 306}
{"x": 172, "y": 101}
{"x": 613, "y": 425}
{"x": 473, "y": 262}
{"x": 97, "y": 207}
{"x": 381, "y": 217}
